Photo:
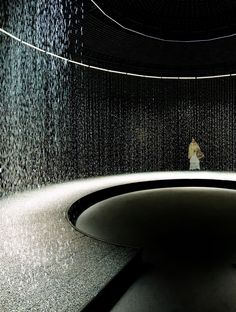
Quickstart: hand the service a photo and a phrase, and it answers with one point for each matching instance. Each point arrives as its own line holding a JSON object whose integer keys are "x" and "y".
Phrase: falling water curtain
{"x": 62, "y": 122}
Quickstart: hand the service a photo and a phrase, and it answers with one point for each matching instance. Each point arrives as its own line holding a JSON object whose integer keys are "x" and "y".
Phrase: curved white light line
{"x": 10, "y": 35}
{"x": 32, "y": 46}
{"x": 158, "y": 38}
{"x": 109, "y": 70}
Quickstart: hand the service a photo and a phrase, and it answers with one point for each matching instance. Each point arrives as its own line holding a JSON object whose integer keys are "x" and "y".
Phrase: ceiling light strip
{"x": 32, "y": 46}
{"x": 10, "y": 35}
{"x": 109, "y": 70}
{"x": 158, "y": 38}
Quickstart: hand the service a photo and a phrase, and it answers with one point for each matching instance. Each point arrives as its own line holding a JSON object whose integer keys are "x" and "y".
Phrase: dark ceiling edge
{"x": 219, "y": 37}
{"x": 124, "y": 73}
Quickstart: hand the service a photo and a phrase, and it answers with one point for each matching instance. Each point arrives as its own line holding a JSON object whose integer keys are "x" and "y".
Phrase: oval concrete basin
{"x": 145, "y": 217}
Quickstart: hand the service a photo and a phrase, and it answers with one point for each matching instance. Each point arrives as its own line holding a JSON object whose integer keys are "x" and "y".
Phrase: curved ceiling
{"x": 181, "y": 20}
{"x": 107, "y": 44}
{"x": 189, "y": 29}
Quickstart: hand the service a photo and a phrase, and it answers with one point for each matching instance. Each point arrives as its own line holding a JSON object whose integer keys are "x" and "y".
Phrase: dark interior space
{"x": 106, "y": 203}
{"x": 63, "y": 121}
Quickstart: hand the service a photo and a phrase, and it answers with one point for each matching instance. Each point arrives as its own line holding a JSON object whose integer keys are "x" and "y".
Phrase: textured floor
{"x": 45, "y": 265}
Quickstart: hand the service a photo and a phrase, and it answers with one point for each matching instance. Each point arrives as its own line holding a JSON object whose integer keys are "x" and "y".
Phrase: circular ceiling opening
{"x": 174, "y": 20}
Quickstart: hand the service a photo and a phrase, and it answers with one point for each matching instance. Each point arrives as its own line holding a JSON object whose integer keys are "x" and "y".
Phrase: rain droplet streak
{"x": 63, "y": 121}
{"x": 36, "y": 125}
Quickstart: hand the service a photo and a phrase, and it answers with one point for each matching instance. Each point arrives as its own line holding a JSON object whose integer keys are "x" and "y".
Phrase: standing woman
{"x": 194, "y": 155}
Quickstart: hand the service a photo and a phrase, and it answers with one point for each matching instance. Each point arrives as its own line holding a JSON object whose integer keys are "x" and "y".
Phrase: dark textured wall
{"x": 135, "y": 124}
{"x": 61, "y": 122}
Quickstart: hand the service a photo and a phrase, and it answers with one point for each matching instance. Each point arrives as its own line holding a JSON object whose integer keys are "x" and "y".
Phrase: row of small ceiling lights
{"x": 104, "y": 69}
